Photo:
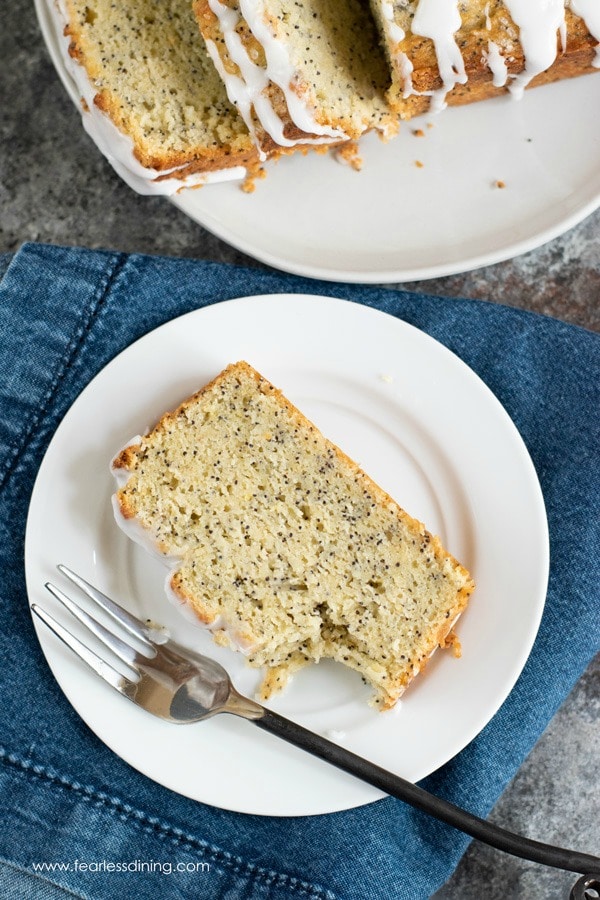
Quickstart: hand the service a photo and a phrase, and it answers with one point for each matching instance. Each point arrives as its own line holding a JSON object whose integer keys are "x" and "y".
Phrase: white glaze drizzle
{"x": 439, "y": 20}
{"x": 494, "y": 57}
{"x": 589, "y": 11}
{"x": 248, "y": 90}
{"x": 238, "y": 93}
{"x": 538, "y": 21}
{"x": 488, "y": 21}
{"x": 245, "y": 90}
{"x": 117, "y": 147}
{"x": 281, "y": 71}
{"x": 394, "y": 31}
{"x": 396, "y": 35}
{"x": 497, "y": 64}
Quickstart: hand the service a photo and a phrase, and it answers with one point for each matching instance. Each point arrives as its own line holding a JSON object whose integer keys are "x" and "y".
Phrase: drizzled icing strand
{"x": 493, "y": 56}
{"x": 395, "y": 36}
{"x": 497, "y": 64}
{"x": 538, "y": 22}
{"x": 439, "y": 20}
{"x": 248, "y": 90}
{"x": 394, "y": 32}
{"x": 238, "y": 89}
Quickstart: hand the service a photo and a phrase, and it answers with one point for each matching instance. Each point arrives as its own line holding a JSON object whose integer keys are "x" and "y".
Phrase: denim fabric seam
{"x": 12, "y": 865}
{"x": 174, "y": 835}
{"x": 69, "y": 356}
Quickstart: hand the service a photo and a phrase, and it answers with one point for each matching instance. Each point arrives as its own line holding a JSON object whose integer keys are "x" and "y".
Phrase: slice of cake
{"x": 453, "y": 53}
{"x": 151, "y": 98}
{"x": 281, "y": 545}
{"x": 300, "y": 73}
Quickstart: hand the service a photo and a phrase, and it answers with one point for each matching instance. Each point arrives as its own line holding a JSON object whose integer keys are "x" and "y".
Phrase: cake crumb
{"x": 418, "y": 132}
{"x": 500, "y": 184}
{"x": 349, "y": 155}
{"x": 419, "y": 164}
{"x": 452, "y": 640}
{"x": 249, "y": 183}
{"x": 389, "y": 379}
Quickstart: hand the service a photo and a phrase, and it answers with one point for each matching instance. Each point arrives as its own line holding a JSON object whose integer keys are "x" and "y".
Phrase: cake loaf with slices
{"x": 151, "y": 98}
{"x": 281, "y": 545}
{"x": 305, "y": 73}
{"x": 454, "y": 52}
{"x": 176, "y": 96}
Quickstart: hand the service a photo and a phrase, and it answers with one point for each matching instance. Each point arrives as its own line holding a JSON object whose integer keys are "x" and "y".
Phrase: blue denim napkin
{"x": 64, "y": 313}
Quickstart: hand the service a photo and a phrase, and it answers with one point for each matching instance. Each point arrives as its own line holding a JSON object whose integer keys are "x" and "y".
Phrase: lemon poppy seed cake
{"x": 281, "y": 545}
{"x": 181, "y": 93}
{"x": 308, "y": 72}
{"x": 151, "y": 97}
{"x": 449, "y": 53}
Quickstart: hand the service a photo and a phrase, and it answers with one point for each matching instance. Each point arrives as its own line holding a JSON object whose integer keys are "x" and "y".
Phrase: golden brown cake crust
{"x": 472, "y": 39}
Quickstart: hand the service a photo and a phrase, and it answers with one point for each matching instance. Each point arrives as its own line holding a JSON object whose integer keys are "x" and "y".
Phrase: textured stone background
{"x": 56, "y": 187}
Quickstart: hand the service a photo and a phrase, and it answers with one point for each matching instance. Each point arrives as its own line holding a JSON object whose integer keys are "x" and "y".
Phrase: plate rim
{"x": 396, "y": 276}
{"x": 82, "y": 399}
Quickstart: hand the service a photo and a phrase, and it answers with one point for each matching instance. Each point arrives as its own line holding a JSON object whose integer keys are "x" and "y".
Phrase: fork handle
{"x": 410, "y": 793}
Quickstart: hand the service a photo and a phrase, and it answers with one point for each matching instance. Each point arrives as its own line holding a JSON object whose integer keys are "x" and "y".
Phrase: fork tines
{"x": 119, "y": 646}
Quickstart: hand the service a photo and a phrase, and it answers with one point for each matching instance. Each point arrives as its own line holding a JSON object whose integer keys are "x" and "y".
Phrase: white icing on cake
{"x": 395, "y": 36}
{"x": 493, "y": 57}
{"x": 393, "y": 31}
{"x": 497, "y": 64}
{"x": 539, "y": 22}
{"x": 117, "y": 147}
{"x": 238, "y": 93}
{"x": 439, "y": 20}
{"x": 248, "y": 90}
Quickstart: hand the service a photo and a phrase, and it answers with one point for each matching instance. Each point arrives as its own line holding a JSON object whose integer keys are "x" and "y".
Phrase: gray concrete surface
{"x": 55, "y": 187}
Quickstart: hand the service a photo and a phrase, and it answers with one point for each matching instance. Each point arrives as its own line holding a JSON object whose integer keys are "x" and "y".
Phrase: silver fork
{"x": 176, "y": 684}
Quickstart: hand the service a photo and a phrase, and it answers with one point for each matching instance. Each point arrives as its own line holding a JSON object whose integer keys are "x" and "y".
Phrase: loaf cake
{"x": 456, "y": 52}
{"x": 176, "y": 96}
{"x": 305, "y": 73}
{"x": 281, "y": 545}
{"x": 151, "y": 97}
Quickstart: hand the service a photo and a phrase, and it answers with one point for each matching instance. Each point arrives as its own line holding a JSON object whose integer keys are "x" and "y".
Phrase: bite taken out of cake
{"x": 281, "y": 545}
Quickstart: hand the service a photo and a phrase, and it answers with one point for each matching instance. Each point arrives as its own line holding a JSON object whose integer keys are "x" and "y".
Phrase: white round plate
{"x": 395, "y": 222}
{"x": 428, "y": 431}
